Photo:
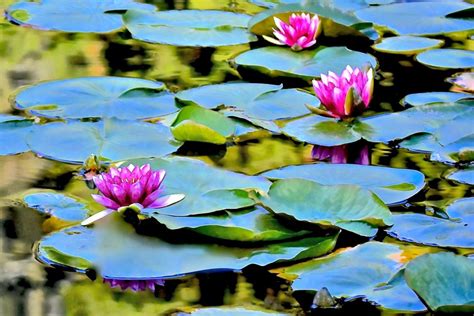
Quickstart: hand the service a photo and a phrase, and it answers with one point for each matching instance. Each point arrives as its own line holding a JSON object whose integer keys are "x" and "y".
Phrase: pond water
{"x": 27, "y": 287}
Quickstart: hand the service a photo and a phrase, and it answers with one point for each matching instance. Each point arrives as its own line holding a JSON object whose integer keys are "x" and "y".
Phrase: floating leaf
{"x": 370, "y": 270}
{"x": 406, "y": 45}
{"x": 58, "y": 205}
{"x": 308, "y": 64}
{"x": 418, "y": 18}
{"x": 123, "y": 98}
{"x": 198, "y": 124}
{"x": 463, "y": 176}
{"x": 424, "y": 98}
{"x": 189, "y": 27}
{"x": 13, "y": 132}
{"x": 247, "y": 225}
{"x": 443, "y": 280}
{"x": 73, "y": 16}
{"x": 447, "y": 58}
{"x": 142, "y": 257}
{"x": 207, "y": 189}
{"x": 111, "y": 139}
{"x": 392, "y": 185}
{"x": 309, "y": 201}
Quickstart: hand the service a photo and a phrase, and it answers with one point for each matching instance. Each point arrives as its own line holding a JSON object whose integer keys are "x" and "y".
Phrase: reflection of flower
{"x": 348, "y": 153}
{"x": 299, "y": 33}
{"x": 346, "y": 95}
{"x": 135, "y": 285}
{"x": 464, "y": 82}
{"x": 122, "y": 187}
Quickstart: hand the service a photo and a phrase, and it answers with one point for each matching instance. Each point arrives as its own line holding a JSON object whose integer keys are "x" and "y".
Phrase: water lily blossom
{"x": 130, "y": 186}
{"x": 135, "y": 285}
{"x": 346, "y": 95}
{"x": 299, "y": 33}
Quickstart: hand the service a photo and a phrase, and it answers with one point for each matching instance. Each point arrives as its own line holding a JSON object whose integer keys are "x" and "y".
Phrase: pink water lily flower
{"x": 347, "y": 95}
{"x": 135, "y": 285}
{"x": 299, "y": 33}
{"x": 132, "y": 185}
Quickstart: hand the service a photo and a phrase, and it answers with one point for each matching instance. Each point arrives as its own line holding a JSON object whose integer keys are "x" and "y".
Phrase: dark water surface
{"x": 28, "y": 56}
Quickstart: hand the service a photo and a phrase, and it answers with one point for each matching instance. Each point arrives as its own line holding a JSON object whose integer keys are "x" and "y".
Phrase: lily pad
{"x": 142, "y": 257}
{"x": 463, "y": 176}
{"x": 249, "y": 225}
{"x": 456, "y": 231}
{"x": 309, "y": 201}
{"x": 345, "y": 5}
{"x": 307, "y": 64}
{"x": 231, "y": 311}
{"x": 391, "y": 185}
{"x": 406, "y": 45}
{"x": 75, "y": 16}
{"x": 123, "y": 98}
{"x": 447, "y": 58}
{"x": 443, "y": 280}
{"x": 419, "y": 18}
{"x": 256, "y": 100}
{"x": 57, "y": 205}
{"x": 424, "y": 98}
{"x": 198, "y": 124}
{"x": 13, "y": 132}
{"x": 189, "y": 27}
{"x": 111, "y": 139}
{"x": 370, "y": 270}
{"x": 207, "y": 189}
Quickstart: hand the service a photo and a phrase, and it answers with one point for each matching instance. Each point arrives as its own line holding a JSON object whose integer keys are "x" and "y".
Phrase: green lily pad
{"x": 406, "y": 45}
{"x": 75, "y": 16}
{"x": 111, "y": 139}
{"x": 123, "y": 98}
{"x": 198, "y": 124}
{"x": 189, "y": 27}
{"x": 424, "y": 98}
{"x": 463, "y": 176}
{"x": 309, "y": 201}
{"x": 418, "y": 18}
{"x": 370, "y": 270}
{"x": 13, "y": 133}
{"x": 231, "y": 311}
{"x": 249, "y": 225}
{"x": 423, "y": 229}
{"x": 392, "y": 185}
{"x": 207, "y": 189}
{"x": 307, "y": 64}
{"x": 142, "y": 257}
{"x": 344, "y": 5}
{"x": 256, "y": 100}
{"x": 58, "y": 205}
{"x": 443, "y": 280}
{"x": 447, "y": 58}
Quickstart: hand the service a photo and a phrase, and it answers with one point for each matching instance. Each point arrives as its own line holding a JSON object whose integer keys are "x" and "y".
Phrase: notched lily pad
{"x": 73, "y": 16}
{"x": 447, "y": 58}
{"x": 189, "y": 27}
{"x": 58, "y": 205}
{"x": 406, "y": 45}
{"x": 424, "y": 98}
{"x": 91, "y": 97}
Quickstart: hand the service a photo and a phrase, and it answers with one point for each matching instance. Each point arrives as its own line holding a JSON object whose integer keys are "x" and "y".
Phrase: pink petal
{"x": 96, "y": 217}
{"x": 105, "y": 201}
{"x": 166, "y": 200}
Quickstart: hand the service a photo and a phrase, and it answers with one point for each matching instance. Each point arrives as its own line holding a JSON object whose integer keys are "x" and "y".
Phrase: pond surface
{"x": 30, "y": 56}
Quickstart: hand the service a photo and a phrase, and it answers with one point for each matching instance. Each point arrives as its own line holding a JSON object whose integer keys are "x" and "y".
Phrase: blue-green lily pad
{"x": 370, "y": 270}
{"x": 456, "y": 231}
{"x": 424, "y": 98}
{"x": 392, "y": 185}
{"x": 13, "y": 132}
{"x": 111, "y": 139}
{"x": 189, "y": 27}
{"x": 123, "y": 98}
{"x": 141, "y": 257}
{"x": 406, "y": 45}
{"x": 447, "y": 58}
{"x": 345, "y": 5}
{"x": 72, "y": 15}
{"x": 444, "y": 281}
{"x": 256, "y": 100}
{"x": 418, "y": 18}
{"x": 330, "y": 205}
{"x": 194, "y": 123}
{"x": 249, "y": 225}
{"x": 207, "y": 189}
{"x": 57, "y": 205}
{"x": 307, "y": 64}
{"x": 463, "y": 176}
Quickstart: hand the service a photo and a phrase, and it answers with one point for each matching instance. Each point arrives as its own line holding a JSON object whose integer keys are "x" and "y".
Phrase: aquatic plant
{"x": 135, "y": 285}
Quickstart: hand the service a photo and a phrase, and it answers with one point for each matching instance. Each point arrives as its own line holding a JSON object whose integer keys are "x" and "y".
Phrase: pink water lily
{"x": 132, "y": 185}
{"x": 299, "y": 33}
{"x": 135, "y": 285}
{"x": 344, "y": 96}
